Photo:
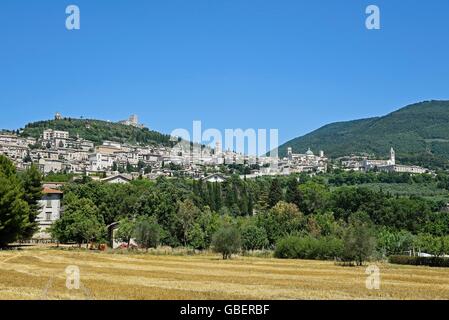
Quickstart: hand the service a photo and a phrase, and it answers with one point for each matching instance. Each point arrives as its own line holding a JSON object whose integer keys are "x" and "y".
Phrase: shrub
{"x": 227, "y": 241}
{"x": 437, "y": 246}
{"x": 359, "y": 241}
{"x": 293, "y": 247}
{"x": 420, "y": 261}
{"x": 254, "y": 238}
{"x": 147, "y": 232}
{"x": 125, "y": 231}
{"x": 282, "y": 220}
{"x": 393, "y": 242}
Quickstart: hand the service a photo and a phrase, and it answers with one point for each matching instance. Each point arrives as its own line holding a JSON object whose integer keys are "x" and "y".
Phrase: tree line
{"x": 266, "y": 212}
{"x": 298, "y": 216}
{"x": 19, "y": 202}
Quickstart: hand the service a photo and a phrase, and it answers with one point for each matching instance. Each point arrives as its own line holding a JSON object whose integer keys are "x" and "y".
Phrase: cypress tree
{"x": 32, "y": 185}
{"x": 250, "y": 204}
{"x": 275, "y": 195}
{"x": 292, "y": 194}
{"x": 217, "y": 196}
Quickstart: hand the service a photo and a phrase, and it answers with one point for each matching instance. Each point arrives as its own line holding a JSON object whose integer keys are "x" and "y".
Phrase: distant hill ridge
{"x": 98, "y": 131}
{"x": 418, "y": 132}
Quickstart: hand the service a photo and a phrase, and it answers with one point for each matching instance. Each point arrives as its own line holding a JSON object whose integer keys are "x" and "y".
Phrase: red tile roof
{"x": 51, "y": 191}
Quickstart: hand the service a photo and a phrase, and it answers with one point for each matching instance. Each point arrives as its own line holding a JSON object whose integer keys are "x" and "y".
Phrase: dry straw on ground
{"x": 40, "y": 274}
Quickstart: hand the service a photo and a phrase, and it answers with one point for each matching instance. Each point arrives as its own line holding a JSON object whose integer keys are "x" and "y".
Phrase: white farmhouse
{"x": 120, "y": 179}
{"x": 50, "y": 212}
{"x": 214, "y": 178}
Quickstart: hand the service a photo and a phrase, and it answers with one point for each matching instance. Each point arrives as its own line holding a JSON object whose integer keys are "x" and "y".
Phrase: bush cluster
{"x": 420, "y": 261}
{"x": 294, "y": 247}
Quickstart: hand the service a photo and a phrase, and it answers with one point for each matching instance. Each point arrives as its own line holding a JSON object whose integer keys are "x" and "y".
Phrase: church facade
{"x": 391, "y": 166}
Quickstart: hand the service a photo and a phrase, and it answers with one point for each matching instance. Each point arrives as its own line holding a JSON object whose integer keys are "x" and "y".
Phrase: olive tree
{"x": 227, "y": 241}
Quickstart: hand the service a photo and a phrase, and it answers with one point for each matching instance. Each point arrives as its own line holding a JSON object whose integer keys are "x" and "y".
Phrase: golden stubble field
{"x": 40, "y": 274}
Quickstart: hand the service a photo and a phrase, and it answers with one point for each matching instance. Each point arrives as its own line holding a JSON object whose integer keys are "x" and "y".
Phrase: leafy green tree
{"x": 404, "y": 214}
{"x": 32, "y": 185}
{"x": 391, "y": 242}
{"x": 434, "y": 245}
{"x": 314, "y": 197}
{"x": 14, "y": 210}
{"x": 147, "y": 232}
{"x": 227, "y": 241}
{"x": 197, "y": 237}
{"x": 281, "y": 220}
{"x": 359, "y": 240}
{"x": 163, "y": 205}
{"x": 210, "y": 223}
{"x": 437, "y": 224}
{"x": 328, "y": 225}
{"x": 7, "y": 167}
{"x": 125, "y": 231}
{"x": 312, "y": 226}
{"x": 254, "y": 238}
{"x": 235, "y": 210}
{"x": 80, "y": 222}
{"x": 187, "y": 215}
{"x": 263, "y": 199}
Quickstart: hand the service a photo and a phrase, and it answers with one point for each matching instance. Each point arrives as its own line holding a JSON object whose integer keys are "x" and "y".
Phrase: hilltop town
{"x": 57, "y": 151}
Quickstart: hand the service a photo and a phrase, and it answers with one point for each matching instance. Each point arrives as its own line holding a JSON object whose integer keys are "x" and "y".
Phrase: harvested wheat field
{"x": 40, "y": 274}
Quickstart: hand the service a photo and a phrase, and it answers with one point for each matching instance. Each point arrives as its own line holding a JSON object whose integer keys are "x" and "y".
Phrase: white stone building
{"x": 49, "y": 165}
{"x": 391, "y": 166}
{"x": 50, "y": 212}
{"x": 50, "y": 134}
{"x": 100, "y": 162}
{"x": 119, "y": 178}
{"x": 305, "y": 162}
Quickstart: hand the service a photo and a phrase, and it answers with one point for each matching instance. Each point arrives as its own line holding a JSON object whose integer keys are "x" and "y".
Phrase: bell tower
{"x": 392, "y": 156}
{"x": 289, "y": 154}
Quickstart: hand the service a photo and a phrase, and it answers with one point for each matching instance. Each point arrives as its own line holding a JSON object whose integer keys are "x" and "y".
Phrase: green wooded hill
{"x": 98, "y": 131}
{"x": 418, "y": 132}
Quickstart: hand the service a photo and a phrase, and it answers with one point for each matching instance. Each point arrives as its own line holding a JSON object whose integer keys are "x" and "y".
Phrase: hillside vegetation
{"x": 419, "y": 133}
{"x": 98, "y": 131}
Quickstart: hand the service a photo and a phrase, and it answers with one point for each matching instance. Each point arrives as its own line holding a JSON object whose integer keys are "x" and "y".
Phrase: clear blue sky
{"x": 288, "y": 64}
